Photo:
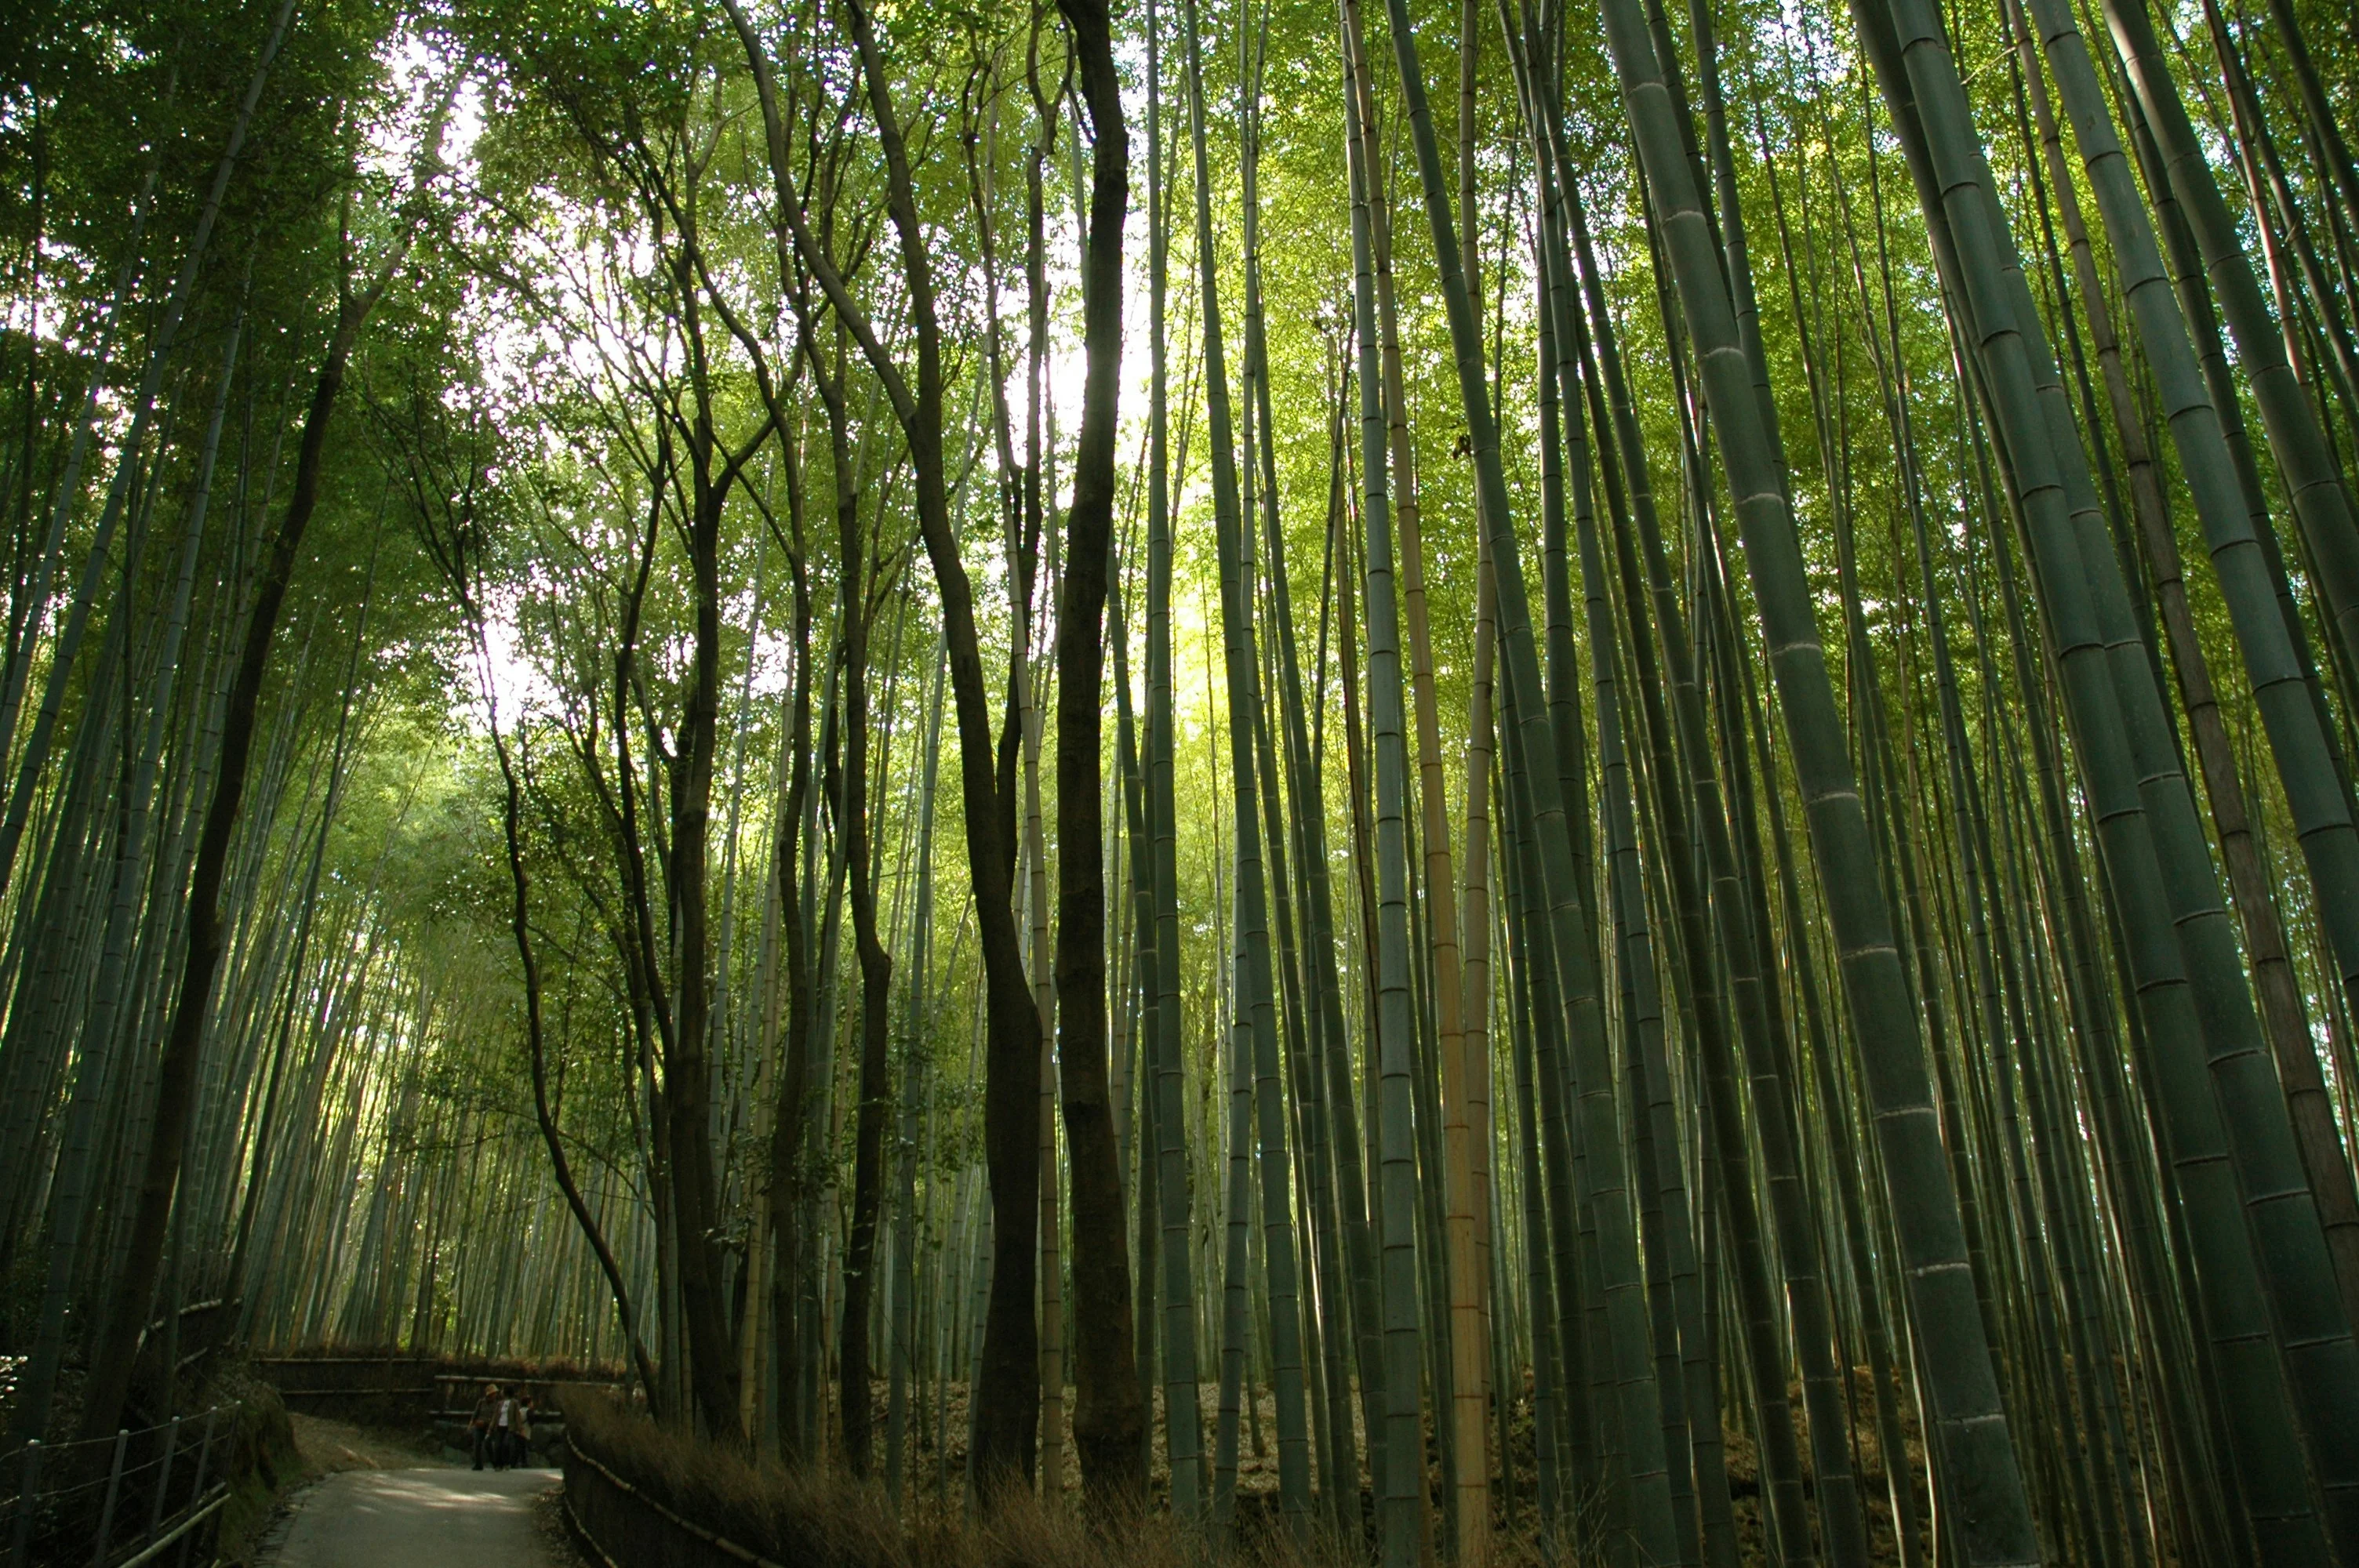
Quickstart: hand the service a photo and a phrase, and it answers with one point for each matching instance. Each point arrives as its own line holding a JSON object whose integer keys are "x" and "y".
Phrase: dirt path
{"x": 426, "y": 1517}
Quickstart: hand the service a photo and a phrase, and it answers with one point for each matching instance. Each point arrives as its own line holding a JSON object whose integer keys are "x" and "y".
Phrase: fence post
{"x": 25, "y": 1490}
{"x": 114, "y": 1486}
{"x": 196, "y": 1491}
{"x": 164, "y": 1476}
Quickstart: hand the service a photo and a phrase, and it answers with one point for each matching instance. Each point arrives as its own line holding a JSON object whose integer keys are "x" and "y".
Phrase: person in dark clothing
{"x": 520, "y": 1430}
{"x": 487, "y": 1410}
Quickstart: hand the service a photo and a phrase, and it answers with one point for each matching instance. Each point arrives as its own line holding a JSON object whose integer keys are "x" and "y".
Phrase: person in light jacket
{"x": 504, "y": 1431}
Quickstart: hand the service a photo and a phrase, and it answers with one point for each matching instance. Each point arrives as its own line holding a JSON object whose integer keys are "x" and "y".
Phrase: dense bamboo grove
{"x": 1517, "y": 778}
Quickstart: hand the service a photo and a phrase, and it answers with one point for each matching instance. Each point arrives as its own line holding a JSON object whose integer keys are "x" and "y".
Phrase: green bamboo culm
{"x": 2313, "y": 793}
{"x": 2262, "y": 1263}
{"x": 2322, "y": 500}
{"x": 1977, "y": 1446}
{"x": 1253, "y": 1032}
{"x": 1400, "y": 1485}
{"x": 1182, "y": 1416}
{"x": 1781, "y": 1471}
{"x": 1622, "y": 1284}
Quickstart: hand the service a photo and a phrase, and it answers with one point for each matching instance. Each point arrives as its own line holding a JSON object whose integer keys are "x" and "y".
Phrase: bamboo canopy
{"x": 1426, "y": 783}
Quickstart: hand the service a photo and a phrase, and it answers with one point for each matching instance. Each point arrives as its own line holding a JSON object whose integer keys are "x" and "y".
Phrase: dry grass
{"x": 328, "y": 1445}
{"x": 938, "y": 1440}
{"x": 824, "y": 1518}
{"x": 827, "y": 1520}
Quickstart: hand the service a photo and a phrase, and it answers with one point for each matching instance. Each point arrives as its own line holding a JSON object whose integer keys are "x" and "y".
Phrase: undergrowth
{"x": 823, "y": 1517}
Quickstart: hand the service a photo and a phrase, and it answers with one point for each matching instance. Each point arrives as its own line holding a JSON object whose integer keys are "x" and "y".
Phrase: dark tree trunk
{"x": 787, "y": 1108}
{"x": 520, "y": 923}
{"x": 687, "y": 1091}
{"x": 449, "y": 544}
{"x": 875, "y": 963}
{"x": 1007, "y": 1395}
{"x": 1109, "y": 1414}
{"x": 1008, "y": 1391}
{"x": 111, "y": 1359}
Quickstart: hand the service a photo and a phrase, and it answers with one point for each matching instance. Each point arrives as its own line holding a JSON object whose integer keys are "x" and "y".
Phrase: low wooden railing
{"x": 437, "y": 1391}
{"x": 78, "y": 1502}
{"x": 621, "y": 1526}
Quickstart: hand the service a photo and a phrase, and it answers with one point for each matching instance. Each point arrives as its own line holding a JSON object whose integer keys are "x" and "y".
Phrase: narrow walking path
{"x": 426, "y": 1517}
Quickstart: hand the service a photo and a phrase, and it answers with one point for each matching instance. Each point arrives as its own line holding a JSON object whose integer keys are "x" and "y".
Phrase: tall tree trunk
{"x": 126, "y": 1315}
{"x": 1109, "y": 1412}
{"x": 1006, "y": 1398}
{"x": 853, "y": 1359}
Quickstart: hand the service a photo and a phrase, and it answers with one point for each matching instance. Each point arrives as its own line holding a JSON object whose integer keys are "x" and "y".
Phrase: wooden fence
{"x": 125, "y": 1501}
{"x": 619, "y": 1525}
{"x": 434, "y": 1391}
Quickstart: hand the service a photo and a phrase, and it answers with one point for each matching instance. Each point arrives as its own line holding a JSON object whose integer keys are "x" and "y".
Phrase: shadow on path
{"x": 439, "y": 1518}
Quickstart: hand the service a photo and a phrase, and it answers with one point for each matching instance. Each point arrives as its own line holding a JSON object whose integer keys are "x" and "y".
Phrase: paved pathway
{"x": 416, "y": 1518}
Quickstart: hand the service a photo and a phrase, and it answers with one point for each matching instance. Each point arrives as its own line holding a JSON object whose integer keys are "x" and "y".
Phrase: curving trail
{"x": 417, "y": 1519}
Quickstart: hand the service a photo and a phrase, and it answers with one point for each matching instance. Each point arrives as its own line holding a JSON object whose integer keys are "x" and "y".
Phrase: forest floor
{"x": 376, "y": 1500}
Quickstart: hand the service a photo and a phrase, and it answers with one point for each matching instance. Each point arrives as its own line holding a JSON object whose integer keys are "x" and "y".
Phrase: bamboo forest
{"x": 1535, "y": 780}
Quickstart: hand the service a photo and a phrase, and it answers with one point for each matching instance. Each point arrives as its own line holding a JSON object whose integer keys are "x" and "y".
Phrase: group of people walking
{"x": 503, "y": 1426}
